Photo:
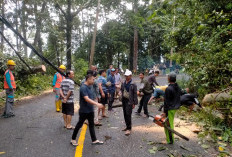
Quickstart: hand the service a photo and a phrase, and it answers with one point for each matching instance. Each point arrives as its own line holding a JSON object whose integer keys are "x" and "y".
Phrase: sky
{"x": 11, "y": 6}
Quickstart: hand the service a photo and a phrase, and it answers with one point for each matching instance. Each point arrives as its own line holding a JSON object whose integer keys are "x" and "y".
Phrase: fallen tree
{"x": 217, "y": 97}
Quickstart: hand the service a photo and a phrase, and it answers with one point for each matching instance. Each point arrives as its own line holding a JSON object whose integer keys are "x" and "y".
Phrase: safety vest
{"x": 59, "y": 79}
{"x": 6, "y": 86}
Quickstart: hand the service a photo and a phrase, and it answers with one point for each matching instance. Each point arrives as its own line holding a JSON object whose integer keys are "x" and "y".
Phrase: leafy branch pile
{"x": 200, "y": 33}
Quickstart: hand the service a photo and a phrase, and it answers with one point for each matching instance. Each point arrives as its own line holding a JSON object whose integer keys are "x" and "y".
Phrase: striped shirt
{"x": 66, "y": 86}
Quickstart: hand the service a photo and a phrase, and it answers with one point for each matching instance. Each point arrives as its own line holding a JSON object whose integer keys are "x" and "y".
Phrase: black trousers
{"x": 111, "y": 100}
{"x": 127, "y": 111}
{"x": 82, "y": 118}
{"x": 143, "y": 103}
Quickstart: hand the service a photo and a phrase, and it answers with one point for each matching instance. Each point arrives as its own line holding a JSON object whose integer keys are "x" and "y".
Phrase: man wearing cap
{"x": 129, "y": 100}
{"x": 10, "y": 87}
{"x": 111, "y": 89}
{"x": 58, "y": 78}
{"x": 171, "y": 104}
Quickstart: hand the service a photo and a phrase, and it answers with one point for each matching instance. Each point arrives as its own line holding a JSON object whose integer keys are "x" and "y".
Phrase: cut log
{"x": 216, "y": 97}
{"x": 34, "y": 70}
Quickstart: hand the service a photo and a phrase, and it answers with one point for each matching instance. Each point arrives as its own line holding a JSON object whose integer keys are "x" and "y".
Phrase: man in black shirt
{"x": 129, "y": 100}
{"x": 86, "y": 110}
{"x": 171, "y": 104}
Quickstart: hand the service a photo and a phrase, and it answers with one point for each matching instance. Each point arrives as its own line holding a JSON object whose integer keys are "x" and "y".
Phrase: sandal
{"x": 105, "y": 116}
{"x": 98, "y": 124}
{"x": 74, "y": 143}
{"x": 97, "y": 142}
{"x": 70, "y": 128}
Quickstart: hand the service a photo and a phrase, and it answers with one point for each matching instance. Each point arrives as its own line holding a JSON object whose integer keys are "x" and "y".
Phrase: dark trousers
{"x": 82, "y": 118}
{"x": 127, "y": 111}
{"x": 143, "y": 103}
{"x": 111, "y": 100}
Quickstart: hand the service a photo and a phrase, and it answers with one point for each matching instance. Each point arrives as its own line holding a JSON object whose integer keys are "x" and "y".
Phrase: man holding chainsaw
{"x": 171, "y": 104}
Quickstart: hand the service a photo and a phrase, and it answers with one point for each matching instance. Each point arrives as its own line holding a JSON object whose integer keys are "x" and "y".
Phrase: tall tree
{"x": 94, "y": 35}
{"x": 38, "y": 24}
{"x": 69, "y": 17}
{"x": 2, "y": 25}
{"x": 135, "y": 55}
{"x": 24, "y": 19}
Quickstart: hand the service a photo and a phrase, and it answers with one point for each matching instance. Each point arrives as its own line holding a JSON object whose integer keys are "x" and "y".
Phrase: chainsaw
{"x": 162, "y": 121}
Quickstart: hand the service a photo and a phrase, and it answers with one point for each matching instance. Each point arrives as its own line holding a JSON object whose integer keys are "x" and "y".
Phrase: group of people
{"x": 96, "y": 90}
{"x": 101, "y": 87}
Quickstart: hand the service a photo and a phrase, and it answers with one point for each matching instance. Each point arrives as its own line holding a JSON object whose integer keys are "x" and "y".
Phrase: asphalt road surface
{"x": 37, "y": 131}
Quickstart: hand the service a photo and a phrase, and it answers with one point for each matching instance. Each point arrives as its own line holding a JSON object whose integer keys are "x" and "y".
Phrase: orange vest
{"x": 11, "y": 79}
{"x": 60, "y": 78}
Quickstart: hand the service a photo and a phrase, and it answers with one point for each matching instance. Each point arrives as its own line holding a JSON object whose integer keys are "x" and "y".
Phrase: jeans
{"x": 143, "y": 103}
{"x": 127, "y": 111}
{"x": 158, "y": 92}
{"x": 82, "y": 118}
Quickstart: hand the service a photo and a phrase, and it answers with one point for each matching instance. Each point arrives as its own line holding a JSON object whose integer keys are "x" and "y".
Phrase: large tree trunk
{"x": 131, "y": 55}
{"x": 2, "y": 26}
{"x": 94, "y": 36}
{"x": 24, "y": 26}
{"x": 135, "y": 56}
{"x": 69, "y": 20}
{"x": 171, "y": 52}
{"x": 38, "y": 20}
{"x": 57, "y": 54}
{"x": 16, "y": 24}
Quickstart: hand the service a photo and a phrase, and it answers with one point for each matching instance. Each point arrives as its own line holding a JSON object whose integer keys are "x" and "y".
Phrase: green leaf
{"x": 151, "y": 151}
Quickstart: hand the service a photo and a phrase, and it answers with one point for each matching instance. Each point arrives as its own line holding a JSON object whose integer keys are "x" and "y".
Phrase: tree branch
{"x": 58, "y": 7}
{"x": 86, "y": 5}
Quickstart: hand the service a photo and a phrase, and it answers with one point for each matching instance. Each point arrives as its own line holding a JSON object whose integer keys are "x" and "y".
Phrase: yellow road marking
{"x": 2, "y": 153}
{"x": 81, "y": 140}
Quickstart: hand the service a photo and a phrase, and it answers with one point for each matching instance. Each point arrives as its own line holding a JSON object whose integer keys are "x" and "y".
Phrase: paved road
{"x": 37, "y": 131}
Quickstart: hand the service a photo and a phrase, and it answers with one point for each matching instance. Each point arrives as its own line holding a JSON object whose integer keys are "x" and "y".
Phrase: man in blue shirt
{"x": 86, "y": 110}
{"x": 109, "y": 70}
{"x": 112, "y": 88}
{"x": 103, "y": 91}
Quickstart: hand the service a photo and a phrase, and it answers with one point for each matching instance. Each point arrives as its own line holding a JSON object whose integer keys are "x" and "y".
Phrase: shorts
{"x": 104, "y": 100}
{"x": 68, "y": 108}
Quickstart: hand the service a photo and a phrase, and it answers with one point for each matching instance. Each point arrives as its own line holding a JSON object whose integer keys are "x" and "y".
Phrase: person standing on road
{"x": 145, "y": 91}
{"x": 171, "y": 104}
{"x": 103, "y": 91}
{"x": 10, "y": 87}
{"x": 96, "y": 95}
{"x": 118, "y": 81}
{"x": 129, "y": 100}
{"x": 58, "y": 78}
{"x": 111, "y": 79}
{"x": 86, "y": 110}
{"x": 108, "y": 72}
{"x": 152, "y": 79}
{"x": 66, "y": 93}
